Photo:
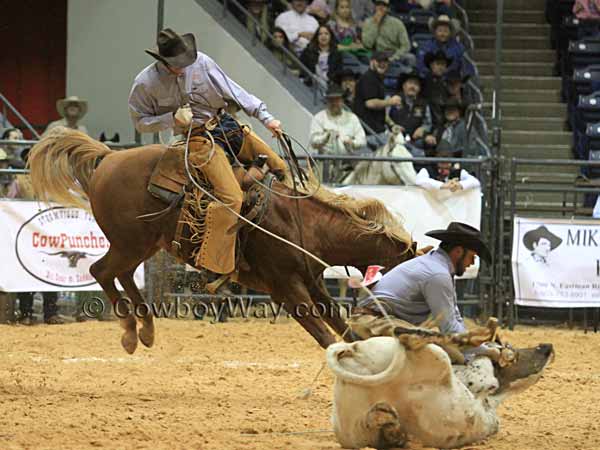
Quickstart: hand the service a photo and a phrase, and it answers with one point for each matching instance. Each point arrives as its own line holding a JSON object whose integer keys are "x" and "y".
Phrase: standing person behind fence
{"x": 336, "y": 131}
{"x": 21, "y": 189}
{"x": 71, "y": 109}
{"x": 185, "y": 88}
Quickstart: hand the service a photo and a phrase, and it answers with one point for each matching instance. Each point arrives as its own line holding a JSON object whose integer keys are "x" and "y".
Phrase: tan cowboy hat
{"x": 174, "y": 50}
{"x": 61, "y": 105}
{"x": 443, "y": 19}
{"x": 464, "y": 235}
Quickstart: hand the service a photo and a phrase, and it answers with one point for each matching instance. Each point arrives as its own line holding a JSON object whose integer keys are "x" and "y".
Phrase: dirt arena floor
{"x": 239, "y": 385}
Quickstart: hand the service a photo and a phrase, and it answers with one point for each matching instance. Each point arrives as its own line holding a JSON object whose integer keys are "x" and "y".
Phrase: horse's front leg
{"x": 297, "y": 301}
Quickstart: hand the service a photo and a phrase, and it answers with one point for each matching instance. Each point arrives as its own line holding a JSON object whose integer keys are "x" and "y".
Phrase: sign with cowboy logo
{"x": 49, "y": 248}
{"x": 556, "y": 262}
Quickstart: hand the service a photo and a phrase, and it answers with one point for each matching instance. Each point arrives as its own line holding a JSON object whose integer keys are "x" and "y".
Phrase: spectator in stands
{"x": 370, "y": 102}
{"x": 279, "y": 42}
{"x": 336, "y": 131}
{"x": 383, "y": 32}
{"x": 321, "y": 56}
{"x": 5, "y": 179}
{"x": 320, "y": 10}
{"x": 588, "y": 12}
{"x": 298, "y": 25}
{"x": 587, "y": 9}
{"x": 12, "y": 134}
{"x": 72, "y": 109}
{"x": 345, "y": 28}
{"x": 435, "y": 90}
{"x": 446, "y": 176}
{"x": 453, "y": 135}
{"x": 455, "y": 84}
{"x": 346, "y": 79}
{"x": 259, "y": 10}
{"x": 444, "y": 31}
{"x": 412, "y": 115}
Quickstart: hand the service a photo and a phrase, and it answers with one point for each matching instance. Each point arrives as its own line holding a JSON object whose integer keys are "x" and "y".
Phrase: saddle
{"x": 169, "y": 183}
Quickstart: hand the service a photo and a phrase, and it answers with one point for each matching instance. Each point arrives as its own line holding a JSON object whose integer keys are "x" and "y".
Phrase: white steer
{"x": 386, "y": 395}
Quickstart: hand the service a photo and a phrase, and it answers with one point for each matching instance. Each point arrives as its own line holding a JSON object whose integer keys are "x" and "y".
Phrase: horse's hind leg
{"x": 146, "y": 332}
{"x": 105, "y": 270}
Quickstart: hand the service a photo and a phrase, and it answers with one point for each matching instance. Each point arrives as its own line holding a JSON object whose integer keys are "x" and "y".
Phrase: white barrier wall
{"x": 105, "y": 50}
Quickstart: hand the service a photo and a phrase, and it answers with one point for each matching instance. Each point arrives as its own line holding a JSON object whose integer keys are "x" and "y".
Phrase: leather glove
{"x": 183, "y": 116}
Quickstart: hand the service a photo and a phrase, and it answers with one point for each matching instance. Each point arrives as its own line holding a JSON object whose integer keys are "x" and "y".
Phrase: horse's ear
{"x": 102, "y": 137}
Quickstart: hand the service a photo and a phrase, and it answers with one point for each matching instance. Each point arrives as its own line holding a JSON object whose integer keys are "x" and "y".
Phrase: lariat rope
{"x": 267, "y": 232}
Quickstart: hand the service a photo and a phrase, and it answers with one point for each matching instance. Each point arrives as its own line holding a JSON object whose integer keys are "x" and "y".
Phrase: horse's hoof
{"x": 129, "y": 341}
{"x": 146, "y": 335}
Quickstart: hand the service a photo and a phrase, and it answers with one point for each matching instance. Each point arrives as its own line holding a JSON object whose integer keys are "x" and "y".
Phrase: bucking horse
{"x": 73, "y": 169}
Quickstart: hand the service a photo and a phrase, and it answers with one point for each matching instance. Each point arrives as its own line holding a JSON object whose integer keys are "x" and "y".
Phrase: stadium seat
{"x": 391, "y": 77}
{"x": 418, "y": 39}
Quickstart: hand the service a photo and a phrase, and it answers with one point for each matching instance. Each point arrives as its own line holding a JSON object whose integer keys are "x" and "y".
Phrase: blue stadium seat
{"x": 588, "y": 107}
{"x": 391, "y": 77}
{"x": 582, "y": 53}
{"x": 593, "y": 147}
{"x": 351, "y": 62}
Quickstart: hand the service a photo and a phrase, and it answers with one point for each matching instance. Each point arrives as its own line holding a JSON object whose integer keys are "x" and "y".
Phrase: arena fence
{"x": 509, "y": 189}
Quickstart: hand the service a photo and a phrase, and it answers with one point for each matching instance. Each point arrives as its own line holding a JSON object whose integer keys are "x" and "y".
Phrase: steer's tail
{"x": 62, "y": 164}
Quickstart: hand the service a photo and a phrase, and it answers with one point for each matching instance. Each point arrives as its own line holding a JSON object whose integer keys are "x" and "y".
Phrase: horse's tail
{"x": 62, "y": 164}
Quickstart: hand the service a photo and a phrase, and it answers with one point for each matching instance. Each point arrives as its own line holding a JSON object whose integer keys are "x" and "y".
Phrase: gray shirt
{"x": 157, "y": 93}
{"x": 421, "y": 287}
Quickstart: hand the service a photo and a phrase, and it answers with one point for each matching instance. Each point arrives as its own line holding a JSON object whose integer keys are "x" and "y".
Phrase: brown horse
{"x": 69, "y": 167}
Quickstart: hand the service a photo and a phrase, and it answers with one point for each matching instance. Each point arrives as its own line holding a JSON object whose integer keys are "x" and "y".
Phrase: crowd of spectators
{"x": 575, "y": 35}
{"x": 394, "y": 63}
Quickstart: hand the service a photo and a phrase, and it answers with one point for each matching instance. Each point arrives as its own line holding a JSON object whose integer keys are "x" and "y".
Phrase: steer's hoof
{"x": 129, "y": 341}
{"x": 384, "y": 417}
{"x": 146, "y": 335}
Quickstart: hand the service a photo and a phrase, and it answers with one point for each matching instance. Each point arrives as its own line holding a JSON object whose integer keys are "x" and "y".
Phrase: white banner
{"x": 421, "y": 211}
{"x": 556, "y": 263}
{"x": 50, "y": 248}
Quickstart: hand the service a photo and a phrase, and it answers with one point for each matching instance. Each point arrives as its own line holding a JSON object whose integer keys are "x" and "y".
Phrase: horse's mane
{"x": 368, "y": 215}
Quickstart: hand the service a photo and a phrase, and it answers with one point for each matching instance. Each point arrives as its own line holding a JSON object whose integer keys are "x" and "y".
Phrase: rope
{"x": 269, "y": 233}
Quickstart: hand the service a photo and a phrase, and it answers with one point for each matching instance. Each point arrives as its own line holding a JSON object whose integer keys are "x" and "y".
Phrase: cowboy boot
{"x": 219, "y": 284}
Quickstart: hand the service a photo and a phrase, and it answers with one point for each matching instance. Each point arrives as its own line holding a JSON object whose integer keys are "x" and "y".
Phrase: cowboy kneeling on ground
{"x": 423, "y": 288}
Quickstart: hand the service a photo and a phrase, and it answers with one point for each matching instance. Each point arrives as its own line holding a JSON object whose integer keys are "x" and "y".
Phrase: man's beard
{"x": 460, "y": 268}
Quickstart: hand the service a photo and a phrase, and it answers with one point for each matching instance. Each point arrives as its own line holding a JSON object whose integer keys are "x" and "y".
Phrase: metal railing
{"x": 16, "y": 112}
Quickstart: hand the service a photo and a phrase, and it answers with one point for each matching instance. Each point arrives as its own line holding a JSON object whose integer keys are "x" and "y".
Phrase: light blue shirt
{"x": 421, "y": 287}
{"x": 157, "y": 93}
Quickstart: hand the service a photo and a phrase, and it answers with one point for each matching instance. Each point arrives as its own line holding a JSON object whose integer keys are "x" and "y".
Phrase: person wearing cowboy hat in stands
{"x": 72, "y": 109}
{"x": 444, "y": 39}
{"x": 423, "y": 287}
{"x": 454, "y": 130}
{"x": 336, "y": 131}
{"x": 540, "y": 242}
{"x": 185, "y": 89}
{"x": 435, "y": 90}
{"x": 413, "y": 114}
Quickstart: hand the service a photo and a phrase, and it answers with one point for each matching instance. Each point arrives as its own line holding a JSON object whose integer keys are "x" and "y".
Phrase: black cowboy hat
{"x": 175, "y": 50}
{"x": 413, "y": 73}
{"x": 464, "y": 235}
{"x": 541, "y": 232}
{"x": 381, "y": 55}
{"x": 430, "y": 57}
{"x": 455, "y": 75}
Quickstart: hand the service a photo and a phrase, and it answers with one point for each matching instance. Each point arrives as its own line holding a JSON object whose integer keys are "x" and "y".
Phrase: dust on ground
{"x": 239, "y": 385}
